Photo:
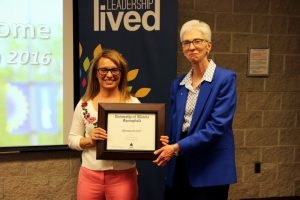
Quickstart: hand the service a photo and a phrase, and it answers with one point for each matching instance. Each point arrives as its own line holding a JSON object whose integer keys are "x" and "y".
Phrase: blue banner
{"x": 145, "y": 32}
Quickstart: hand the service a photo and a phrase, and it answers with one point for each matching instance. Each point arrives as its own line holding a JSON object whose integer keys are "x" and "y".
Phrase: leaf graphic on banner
{"x": 129, "y": 88}
{"x": 131, "y": 75}
{"x": 80, "y": 50}
{"x": 86, "y": 64}
{"x": 142, "y": 92}
{"x": 97, "y": 50}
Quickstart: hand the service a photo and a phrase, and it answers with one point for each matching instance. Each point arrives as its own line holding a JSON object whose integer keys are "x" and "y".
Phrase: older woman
{"x": 200, "y": 156}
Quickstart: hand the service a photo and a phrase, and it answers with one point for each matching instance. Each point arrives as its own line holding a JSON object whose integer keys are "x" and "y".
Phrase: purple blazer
{"x": 208, "y": 149}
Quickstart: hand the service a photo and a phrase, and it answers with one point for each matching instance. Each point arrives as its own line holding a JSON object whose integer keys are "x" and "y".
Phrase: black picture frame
{"x": 155, "y": 111}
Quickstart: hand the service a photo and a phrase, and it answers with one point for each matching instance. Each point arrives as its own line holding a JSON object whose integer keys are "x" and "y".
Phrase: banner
{"x": 145, "y": 32}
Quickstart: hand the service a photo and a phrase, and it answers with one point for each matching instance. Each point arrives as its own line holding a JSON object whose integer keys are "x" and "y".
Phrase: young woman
{"x": 102, "y": 179}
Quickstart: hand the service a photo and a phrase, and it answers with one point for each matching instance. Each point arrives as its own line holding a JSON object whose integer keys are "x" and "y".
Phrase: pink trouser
{"x": 107, "y": 185}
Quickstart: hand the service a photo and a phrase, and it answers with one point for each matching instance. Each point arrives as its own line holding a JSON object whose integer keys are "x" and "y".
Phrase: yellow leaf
{"x": 129, "y": 88}
{"x": 142, "y": 92}
{"x": 97, "y": 50}
{"x": 80, "y": 50}
{"x": 131, "y": 75}
{"x": 86, "y": 64}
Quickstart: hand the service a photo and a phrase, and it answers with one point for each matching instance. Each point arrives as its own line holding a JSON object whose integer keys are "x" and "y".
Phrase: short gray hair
{"x": 203, "y": 27}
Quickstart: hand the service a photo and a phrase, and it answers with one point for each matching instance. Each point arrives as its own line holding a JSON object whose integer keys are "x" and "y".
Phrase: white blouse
{"x": 193, "y": 93}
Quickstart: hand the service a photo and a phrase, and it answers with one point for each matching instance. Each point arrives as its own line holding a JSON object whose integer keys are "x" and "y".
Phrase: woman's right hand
{"x": 95, "y": 134}
{"x": 164, "y": 139}
{"x": 98, "y": 134}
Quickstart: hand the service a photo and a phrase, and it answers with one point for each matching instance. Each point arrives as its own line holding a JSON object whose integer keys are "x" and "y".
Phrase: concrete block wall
{"x": 267, "y": 122}
{"x": 39, "y": 175}
{"x": 267, "y": 128}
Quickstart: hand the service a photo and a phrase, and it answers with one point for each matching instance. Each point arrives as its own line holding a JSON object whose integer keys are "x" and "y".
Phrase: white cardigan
{"x": 84, "y": 120}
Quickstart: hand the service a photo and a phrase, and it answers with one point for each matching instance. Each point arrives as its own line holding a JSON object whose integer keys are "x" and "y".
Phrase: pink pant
{"x": 107, "y": 185}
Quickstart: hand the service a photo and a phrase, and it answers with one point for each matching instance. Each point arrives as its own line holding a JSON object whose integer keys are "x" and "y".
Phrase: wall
{"x": 39, "y": 175}
{"x": 267, "y": 122}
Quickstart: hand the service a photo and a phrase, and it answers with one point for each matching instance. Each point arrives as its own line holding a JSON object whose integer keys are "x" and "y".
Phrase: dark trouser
{"x": 183, "y": 191}
{"x": 203, "y": 193}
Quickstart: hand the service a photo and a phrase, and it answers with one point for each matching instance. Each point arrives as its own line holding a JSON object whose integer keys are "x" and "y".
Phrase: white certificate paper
{"x": 131, "y": 131}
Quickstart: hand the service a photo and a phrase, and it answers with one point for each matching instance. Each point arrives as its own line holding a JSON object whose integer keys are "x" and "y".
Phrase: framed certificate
{"x": 133, "y": 130}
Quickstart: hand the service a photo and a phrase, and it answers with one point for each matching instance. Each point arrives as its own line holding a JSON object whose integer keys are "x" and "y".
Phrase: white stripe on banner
{"x": 133, "y": 15}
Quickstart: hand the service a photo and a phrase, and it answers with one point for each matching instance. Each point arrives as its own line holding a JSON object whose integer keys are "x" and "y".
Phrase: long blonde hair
{"x": 93, "y": 86}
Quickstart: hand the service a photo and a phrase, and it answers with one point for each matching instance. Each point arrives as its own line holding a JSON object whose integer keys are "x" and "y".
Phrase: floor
{"x": 276, "y": 198}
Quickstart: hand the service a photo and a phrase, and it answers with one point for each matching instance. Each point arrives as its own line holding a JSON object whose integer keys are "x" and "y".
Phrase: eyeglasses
{"x": 114, "y": 71}
{"x": 196, "y": 42}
